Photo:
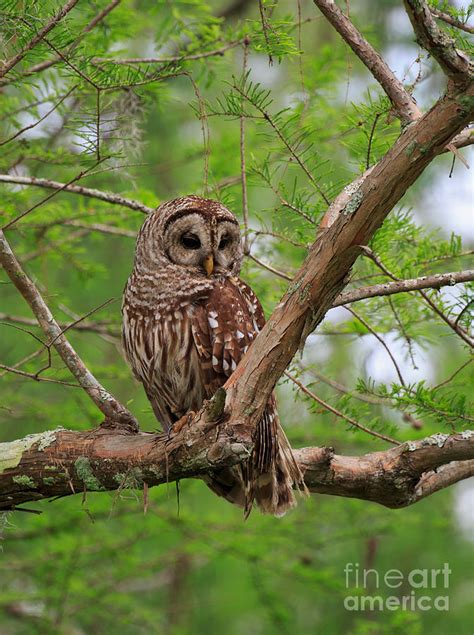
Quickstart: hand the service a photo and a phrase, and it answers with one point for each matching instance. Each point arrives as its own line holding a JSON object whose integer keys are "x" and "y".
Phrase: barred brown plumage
{"x": 187, "y": 321}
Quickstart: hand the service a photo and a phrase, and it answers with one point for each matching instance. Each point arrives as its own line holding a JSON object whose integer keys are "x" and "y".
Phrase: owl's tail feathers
{"x": 270, "y": 477}
{"x": 228, "y": 483}
{"x": 273, "y": 485}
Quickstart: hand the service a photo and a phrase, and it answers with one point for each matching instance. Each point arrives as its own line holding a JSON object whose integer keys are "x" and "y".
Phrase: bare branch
{"x": 401, "y": 99}
{"x": 435, "y": 281}
{"x": 169, "y": 60}
{"x": 454, "y": 62}
{"x": 376, "y": 476}
{"x": 268, "y": 267}
{"x": 7, "y": 66}
{"x": 338, "y": 413}
{"x": 451, "y": 323}
{"x": 102, "y": 228}
{"x": 100, "y": 461}
{"x": 442, "y": 477}
{"x": 103, "y": 328}
{"x": 108, "y": 197}
{"x": 33, "y": 125}
{"x": 106, "y": 403}
{"x": 452, "y": 21}
{"x": 463, "y": 139}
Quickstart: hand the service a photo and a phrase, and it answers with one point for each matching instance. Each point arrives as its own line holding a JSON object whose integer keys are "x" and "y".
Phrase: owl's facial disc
{"x": 202, "y": 241}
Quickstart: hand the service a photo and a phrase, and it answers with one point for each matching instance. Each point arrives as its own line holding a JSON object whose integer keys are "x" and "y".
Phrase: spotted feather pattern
{"x": 184, "y": 334}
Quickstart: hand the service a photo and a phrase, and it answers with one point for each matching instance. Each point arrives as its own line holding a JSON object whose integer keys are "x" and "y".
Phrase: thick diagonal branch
{"x": 350, "y": 222}
{"x": 106, "y": 403}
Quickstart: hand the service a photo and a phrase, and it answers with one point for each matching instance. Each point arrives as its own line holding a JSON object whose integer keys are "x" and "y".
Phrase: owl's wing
{"x": 223, "y": 327}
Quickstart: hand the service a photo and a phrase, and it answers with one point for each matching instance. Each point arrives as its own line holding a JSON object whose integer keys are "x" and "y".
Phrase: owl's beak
{"x": 208, "y": 264}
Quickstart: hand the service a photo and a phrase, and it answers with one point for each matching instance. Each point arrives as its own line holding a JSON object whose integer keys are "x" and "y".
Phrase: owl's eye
{"x": 190, "y": 241}
{"x": 225, "y": 240}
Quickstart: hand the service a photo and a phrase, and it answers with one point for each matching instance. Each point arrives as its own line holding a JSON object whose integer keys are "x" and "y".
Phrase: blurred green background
{"x": 97, "y": 564}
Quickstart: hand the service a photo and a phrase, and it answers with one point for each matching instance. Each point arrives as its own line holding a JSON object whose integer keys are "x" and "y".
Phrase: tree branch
{"x": 395, "y": 478}
{"x": 169, "y": 60}
{"x": 197, "y": 444}
{"x": 350, "y": 222}
{"x": 60, "y": 463}
{"x": 454, "y": 63}
{"x": 8, "y": 65}
{"x": 451, "y": 21}
{"x": 108, "y": 197}
{"x": 106, "y": 403}
{"x": 41, "y": 66}
{"x": 435, "y": 281}
{"x": 403, "y": 103}
{"x": 103, "y": 328}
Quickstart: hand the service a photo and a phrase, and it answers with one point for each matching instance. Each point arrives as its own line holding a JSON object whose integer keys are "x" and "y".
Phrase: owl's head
{"x": 196, "y": 233}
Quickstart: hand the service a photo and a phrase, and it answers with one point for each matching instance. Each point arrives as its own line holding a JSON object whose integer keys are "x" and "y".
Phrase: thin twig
{"x": 47, "y": 198}
{"x": 243, "y": 169}
{"x": 261, "y": 232}
{"x": 265, "y": 27}
{"x": 170, "y": 60}
{"x": 33, "y": 125}
{"x": 285, "y": 142}
{"x": 371, "y": 136}
{"x": 16, "y": 371}
{"x": 401, "y": 326}
{"x": 453, "y": 375}
{"x": 381, "y": 340}
{"x": 283, "y": 201}
{"x": 338, "y": 413}
{"x": 463, "y": 310}
{"x": 204, "y": 128}
{"x": 24, "y": 360}
{"x": 103, "y": 328}
{"x": 451, "y": 323}
{"x": 108, "y": 197}
{"x": 268, "y": 267}
{"x": 102, "y": 228}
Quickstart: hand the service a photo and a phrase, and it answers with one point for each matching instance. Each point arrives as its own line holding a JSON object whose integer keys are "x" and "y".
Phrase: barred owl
{"x": 187, "y": 321}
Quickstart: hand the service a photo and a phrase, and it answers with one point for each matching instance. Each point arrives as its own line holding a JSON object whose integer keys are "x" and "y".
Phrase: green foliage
{"x": 169, "y": 125}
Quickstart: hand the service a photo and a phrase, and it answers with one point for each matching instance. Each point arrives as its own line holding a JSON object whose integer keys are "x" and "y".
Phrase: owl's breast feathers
{"x": 224, "y": 325}
{"x": 183, "y": 346}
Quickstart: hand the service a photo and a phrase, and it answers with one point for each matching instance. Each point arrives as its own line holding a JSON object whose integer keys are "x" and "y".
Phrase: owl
{"x": 187, "y": 321}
